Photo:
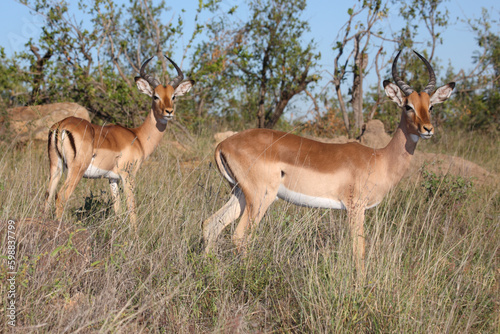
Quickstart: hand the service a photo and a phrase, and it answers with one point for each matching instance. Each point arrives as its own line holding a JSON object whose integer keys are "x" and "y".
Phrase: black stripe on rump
{"x": 56, "y": 139}
{"x": 227, "y": 169}
{"x": 72, "y": 142}
{"x": 49, "y": 140}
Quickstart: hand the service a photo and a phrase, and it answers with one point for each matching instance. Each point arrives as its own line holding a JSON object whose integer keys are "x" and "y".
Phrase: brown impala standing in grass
{"x": 262, "y": 165}
{"x": 112, "y": 151}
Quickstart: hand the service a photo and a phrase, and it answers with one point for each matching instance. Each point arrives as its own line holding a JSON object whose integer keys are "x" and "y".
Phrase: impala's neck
{"x": 400, "y": 150}
{"x": 150, "y": 133}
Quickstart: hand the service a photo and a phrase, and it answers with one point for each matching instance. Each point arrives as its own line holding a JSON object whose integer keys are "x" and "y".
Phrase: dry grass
{"x": 432, "y": 257}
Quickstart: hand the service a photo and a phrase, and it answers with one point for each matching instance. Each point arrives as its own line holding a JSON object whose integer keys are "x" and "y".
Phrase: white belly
{"x": 93, "y": 172}
{"x": 309, "y": 201}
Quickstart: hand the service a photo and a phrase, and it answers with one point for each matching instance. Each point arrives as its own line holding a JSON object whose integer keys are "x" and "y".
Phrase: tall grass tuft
{"x": 432, "y": 255}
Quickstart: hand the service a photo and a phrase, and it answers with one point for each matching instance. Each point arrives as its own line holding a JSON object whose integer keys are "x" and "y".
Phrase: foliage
{"x": 268, "y": 54}
{"x": 433, "y": 17}
{"x": 217, "y": 91}
{"x": 452, "y": 189}
{"x": 83, "y": 61}
{"x": 251, "y": 64}
{"x": 328, "y": 123}
{"x": 477, "y": 102}
{"x": 11, "y": 88}
{"x": 363, "y": 24}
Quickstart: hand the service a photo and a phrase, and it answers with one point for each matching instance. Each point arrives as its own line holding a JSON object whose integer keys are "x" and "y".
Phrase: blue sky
{"x": 325, "y": 19}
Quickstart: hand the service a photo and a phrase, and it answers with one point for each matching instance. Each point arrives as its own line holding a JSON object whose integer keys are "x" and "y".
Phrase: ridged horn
{"x": 177, "y": 80}
{"x": 397, "y": 79}
{"x": 150, "y": 79}
{"x": 432, "y": 77}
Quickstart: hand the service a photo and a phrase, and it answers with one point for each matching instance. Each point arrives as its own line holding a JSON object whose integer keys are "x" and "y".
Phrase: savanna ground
{"x": 433, "y": 261}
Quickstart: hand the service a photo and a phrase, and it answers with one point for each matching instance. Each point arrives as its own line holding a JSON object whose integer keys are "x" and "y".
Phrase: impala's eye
{"x": 173, "y": 98}
{"x": 155, "y": 97}
{"x": 408, "y": 108}
{"x": 430, "y": 108}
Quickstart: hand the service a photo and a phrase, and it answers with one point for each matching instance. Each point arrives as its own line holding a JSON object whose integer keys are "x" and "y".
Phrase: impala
{"x": 112, "y": 151}
{"x": 262, "y": 165}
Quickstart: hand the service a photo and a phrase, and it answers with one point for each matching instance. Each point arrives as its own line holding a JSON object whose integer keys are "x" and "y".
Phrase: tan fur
{"x": 257, "y": 162}
{"x": 76, "y": 144}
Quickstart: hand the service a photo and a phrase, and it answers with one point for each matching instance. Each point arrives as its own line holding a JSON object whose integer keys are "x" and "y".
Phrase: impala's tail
{"x": 55, "y": 147}
{"x": 223, "y": 166}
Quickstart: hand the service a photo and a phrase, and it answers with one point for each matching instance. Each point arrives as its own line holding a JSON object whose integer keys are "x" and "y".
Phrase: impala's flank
{"x": 112, "y": 151}
{"x": 262, "y": 165}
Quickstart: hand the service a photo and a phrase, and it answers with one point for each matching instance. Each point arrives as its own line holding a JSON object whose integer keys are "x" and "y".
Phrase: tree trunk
{"x": 275, "y": 116}
{"x": 201, "y": 106}
{"x": 360, "y": 62}
{"x": 261, "y": 112}
{"x": 37, "y": 69}
{"x": 285, "y": 96}
{"x": 357, "y": 87}
{"x": 343, "y": 108}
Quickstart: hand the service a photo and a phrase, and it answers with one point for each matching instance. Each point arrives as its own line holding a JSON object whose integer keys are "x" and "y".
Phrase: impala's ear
{"x": 442, "y": 93}
{"x": 144, "y": 86}
{"x": 394, "y": 93}
{"x": 184, "y": 87}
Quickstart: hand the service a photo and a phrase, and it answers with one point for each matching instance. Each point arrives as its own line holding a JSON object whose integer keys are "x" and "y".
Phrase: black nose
{"x": 428, "y": 129}
{"x": 169, "y": 111}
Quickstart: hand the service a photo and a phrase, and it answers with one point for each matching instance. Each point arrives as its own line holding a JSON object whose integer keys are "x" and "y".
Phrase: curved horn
{"x": 397, "y": 79}
{"x": 177, "y": 80}
{"x": 432, "y": 77}
{"x": 150, "y": 79}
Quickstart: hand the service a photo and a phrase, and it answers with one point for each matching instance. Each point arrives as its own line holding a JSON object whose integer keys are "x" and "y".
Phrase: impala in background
{"x": 112, "y": 151}
{"x": 262, "y": 165}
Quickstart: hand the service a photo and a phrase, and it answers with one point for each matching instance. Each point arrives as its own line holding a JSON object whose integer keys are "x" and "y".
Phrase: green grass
{"x": 432, "y": 256}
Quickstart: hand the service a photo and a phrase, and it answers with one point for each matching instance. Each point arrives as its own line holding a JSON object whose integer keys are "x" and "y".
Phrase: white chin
{"x": 414, "y": 138}
{"x": 165, "y": 120}
{"x": 425, "y": 136}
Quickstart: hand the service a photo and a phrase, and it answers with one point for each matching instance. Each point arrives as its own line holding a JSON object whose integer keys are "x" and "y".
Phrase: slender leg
{"x": 231, "y": 211}
{"x": 55, "y": 176}
{"x": 356, "y": 224}
{"x": 74, "y": 176}
{"x": 128, "y": 189}
{"x": 239, "y": 235}
{"x": 253, "y": 214}
{"x": 115, "y": 193}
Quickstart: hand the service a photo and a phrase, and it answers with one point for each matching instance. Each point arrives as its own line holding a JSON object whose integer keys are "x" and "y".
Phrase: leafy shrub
{"x": 451, "y": 189}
